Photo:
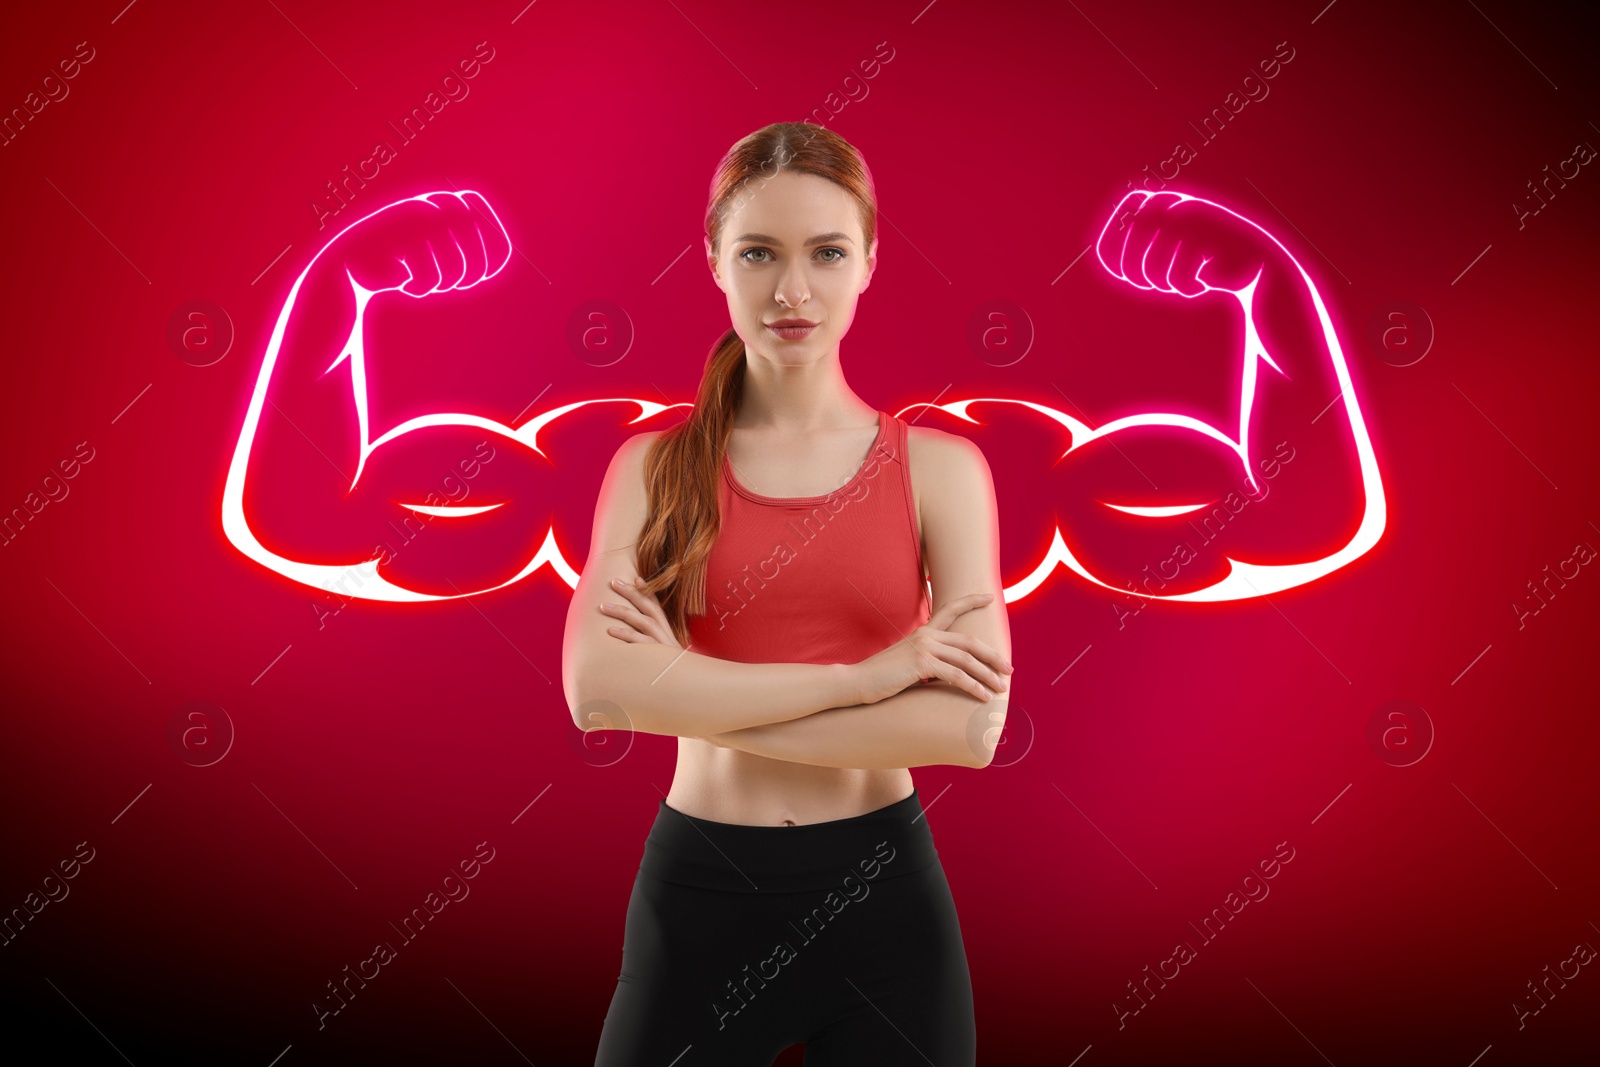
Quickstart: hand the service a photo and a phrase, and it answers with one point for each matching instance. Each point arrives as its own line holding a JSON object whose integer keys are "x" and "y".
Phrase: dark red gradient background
{"x": 374, "y": 751}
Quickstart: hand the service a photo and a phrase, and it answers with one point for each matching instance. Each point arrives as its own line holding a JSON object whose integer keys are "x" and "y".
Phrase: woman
{"x": 790, "y": 890}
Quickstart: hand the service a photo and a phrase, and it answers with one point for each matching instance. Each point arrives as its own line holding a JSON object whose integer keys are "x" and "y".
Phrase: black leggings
{"x": 743, "y": 940}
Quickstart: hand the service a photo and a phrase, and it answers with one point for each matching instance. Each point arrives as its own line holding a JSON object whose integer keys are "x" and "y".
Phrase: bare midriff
{"x": 731, "y": 786}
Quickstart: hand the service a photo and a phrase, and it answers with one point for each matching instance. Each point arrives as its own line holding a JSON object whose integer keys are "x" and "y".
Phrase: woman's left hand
{"x": 646, "y": 622}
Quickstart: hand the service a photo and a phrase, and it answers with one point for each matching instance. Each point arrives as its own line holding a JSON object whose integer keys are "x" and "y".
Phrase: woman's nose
{"x": 792, "y": 294}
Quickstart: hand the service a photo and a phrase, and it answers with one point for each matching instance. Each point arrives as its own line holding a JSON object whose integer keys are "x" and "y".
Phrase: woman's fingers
{"x": 645, "y": 602}
{"x": 961, "y": 679}
{"x": 977, "y": 668}
{"x": 944, "y": 616}
{"x": 991, "y": 658}
{"x": 941, "y": 619}
{"x": 642, "y": 611}
{"x": 961, "y": 659}
{"x": 630, "y": 615}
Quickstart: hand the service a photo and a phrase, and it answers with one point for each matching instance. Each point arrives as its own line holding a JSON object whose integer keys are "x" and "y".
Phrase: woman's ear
{"x": 872, "y": 264}
{"x": 711, "y": 261}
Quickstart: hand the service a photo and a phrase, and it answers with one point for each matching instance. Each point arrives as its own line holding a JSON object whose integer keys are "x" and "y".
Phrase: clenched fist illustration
{"x": 429, "y": 244}
{"x": 1182, "y": 244}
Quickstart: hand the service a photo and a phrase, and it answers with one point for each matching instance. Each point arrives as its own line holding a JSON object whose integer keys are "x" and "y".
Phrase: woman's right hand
{"x": 935, "y": 653}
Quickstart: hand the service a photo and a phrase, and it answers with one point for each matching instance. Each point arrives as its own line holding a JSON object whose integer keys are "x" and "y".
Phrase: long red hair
{"x": 683, "y": 467}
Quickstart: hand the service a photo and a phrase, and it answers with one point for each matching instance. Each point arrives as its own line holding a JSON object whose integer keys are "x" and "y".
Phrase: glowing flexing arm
{"x": 323, "y": 487}
{"x": 1291, "y": 370}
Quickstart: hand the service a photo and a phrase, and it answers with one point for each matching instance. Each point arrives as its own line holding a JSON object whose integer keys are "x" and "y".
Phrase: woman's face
{"x": 792, "y": 249}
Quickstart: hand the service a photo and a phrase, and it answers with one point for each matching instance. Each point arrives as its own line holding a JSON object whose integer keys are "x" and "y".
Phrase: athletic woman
{"x": 806, "y": 591}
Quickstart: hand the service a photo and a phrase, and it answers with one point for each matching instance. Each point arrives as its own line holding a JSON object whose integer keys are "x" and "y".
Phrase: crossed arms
{"x": 798, "y": 712}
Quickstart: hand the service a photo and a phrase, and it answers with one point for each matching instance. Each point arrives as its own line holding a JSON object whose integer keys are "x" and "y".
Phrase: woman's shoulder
{"x": 632, "y": 450}
{"x": 641, "y": 440}
{"x": 939, "y": 455}
{"x": 623, "y": 488}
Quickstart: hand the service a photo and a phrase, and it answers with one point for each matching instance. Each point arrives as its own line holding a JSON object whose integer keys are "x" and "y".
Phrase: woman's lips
{"x": 791, "y": 333}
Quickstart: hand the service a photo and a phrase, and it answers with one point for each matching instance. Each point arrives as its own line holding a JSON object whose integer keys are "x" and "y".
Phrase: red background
{"x": 374, "y": 752}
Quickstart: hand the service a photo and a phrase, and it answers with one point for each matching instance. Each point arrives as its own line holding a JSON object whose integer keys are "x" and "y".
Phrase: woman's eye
{"x": 838, "y": 250}
{"x": 747, "y": 251}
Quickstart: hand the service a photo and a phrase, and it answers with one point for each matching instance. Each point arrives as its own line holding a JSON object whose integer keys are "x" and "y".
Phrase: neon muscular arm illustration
{"x": 930, "y": 724}
{"x": 324, "y": 484}
{"x": 1169, "y": 468}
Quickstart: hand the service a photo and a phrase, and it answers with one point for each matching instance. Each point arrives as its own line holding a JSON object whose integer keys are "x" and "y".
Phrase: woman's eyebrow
{"x": 766, "y": 239}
